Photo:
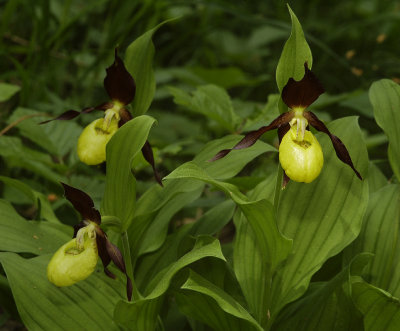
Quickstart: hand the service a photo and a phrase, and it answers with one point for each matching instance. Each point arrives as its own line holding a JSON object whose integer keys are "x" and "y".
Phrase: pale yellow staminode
{"x": 302, "y": 159}
{"x": 75, "y": 260}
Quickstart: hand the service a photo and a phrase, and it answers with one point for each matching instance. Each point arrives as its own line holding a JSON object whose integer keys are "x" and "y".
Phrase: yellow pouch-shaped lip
{"x": 70, "y": 265}
{"x": 93, "y": 140}
{"x": 301, "y": 160}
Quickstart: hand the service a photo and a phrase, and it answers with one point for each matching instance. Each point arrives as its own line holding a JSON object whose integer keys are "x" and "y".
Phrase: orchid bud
{"x": 93, "y": 140}
{"x": 73, "y": 262}
{"x": 302, "y": 160}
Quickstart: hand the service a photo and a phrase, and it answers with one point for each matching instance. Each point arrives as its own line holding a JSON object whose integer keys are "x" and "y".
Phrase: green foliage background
{"x": 210, "y": 249}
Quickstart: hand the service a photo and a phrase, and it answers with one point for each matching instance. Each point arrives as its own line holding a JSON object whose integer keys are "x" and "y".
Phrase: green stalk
{"x": 278, "y": 188}
{"x": 128, "y": 265}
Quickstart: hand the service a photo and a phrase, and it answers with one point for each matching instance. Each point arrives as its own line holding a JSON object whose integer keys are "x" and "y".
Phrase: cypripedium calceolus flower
{"x": 121, "y": 88}
{"x": 300, "y": 153}
{"x": 77, "y": 259}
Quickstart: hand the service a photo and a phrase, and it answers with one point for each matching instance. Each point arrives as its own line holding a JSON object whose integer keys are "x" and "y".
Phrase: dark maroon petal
{"x": 129, "y": 288}
{"x": 148, "y": 156}
{"x": 115, "y": 255}
{"x": 118, "y": 83}
{"x": 286, "y": 180}
{"x": 251, "y": 138}
{"x": 301, "y": 94}
{"x": 68, "y": 115}
{"x": 109, "y": 273}
{"x": 82, "y": 203}
{"x": 125, "y": 115}
{"x": 282, "y": 130}
{"x": 340, "y": 148}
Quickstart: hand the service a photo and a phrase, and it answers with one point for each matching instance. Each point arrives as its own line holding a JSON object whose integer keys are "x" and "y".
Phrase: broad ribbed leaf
{"x": 295, "y": 53}
{"x": 273, "y": 245}
{"x": 22, "y": 236}
{"x": 120, "y": 193}
{"x": 197, "y": 283}
{"x": 324, "y": 216}
{"x": 87, "y": 305}
{"x": 326, "y": 305}
{"x": 380, "y": 236}
{"x": 385, "y": 98}
{"x": 129, "y": 312}
{"x": 381, "y": 310}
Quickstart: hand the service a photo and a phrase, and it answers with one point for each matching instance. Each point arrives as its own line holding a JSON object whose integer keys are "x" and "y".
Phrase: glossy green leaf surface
{"x": 22, "y": 236}
{"x": 86, "y": 305}
{"x": 139, "y": 62}
{"x": 324, "y": 216}
{"x": 381, "y": 310}
{"x": 120, "y": 193}
{"x": 385, "y": 99}
{"x": 380, "y": 236}
{"x": 126, "y": 312}
{"x": 225, "y": 302}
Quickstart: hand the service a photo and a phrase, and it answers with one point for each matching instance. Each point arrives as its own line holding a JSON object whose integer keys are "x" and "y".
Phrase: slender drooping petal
{"x": 251, "y": 137}
{"x": 340, "y": 149}
{"x": 147, "y": 152}
{"x": 119, "y": 83}
{"x": 301, "y": 94}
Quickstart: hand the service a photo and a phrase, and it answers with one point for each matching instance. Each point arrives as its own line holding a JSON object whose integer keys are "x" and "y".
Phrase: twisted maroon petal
{"x": 340, "y": 149}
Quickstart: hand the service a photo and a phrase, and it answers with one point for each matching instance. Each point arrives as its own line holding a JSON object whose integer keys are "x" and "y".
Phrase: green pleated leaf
{"x": 385, "y": 99}
{"x": 87, "y": 305}
{"x": 295, "y": 53}
{"x": 380, "y": 309}
{"x": 22, "y": 236}
{"x": 120, "y": 193}
{"x": 380, "y": 236}
{"x": 211, "y": 101}
{"x": 197, "y": 283}
{"x": 260, "y": 215}
{"x": 7, "y": 91}
{"x": 209, "y": 224}
{"x": 326, "y": 305}
{"x": 139, "y": 62}
{"x": 322, "y": 217}
{"x": 125, "y": 312}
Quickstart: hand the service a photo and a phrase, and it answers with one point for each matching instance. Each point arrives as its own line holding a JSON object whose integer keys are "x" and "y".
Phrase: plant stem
{"x": 278, "y": 188}
{"x": 128, "y": 265}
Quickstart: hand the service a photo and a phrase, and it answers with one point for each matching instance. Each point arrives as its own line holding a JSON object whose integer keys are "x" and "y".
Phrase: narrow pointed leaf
{"x": 83, "y": 203}
{"x": 295, "y": 53}
{"x": 340, "y": 149}
{"x": 120, "y": 193}
{"x": 139, "y": 62}
{"x": 118, "y": 83}
{"x": 385, "y": 99}
{"x": 224, "y": 301}
{"x": 302, "y": 93}
{"x": 251, "y": 137}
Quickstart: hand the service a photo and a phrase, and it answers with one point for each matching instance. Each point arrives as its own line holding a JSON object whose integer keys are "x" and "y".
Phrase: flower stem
{"x": 278, "y": 188}
{"x": 128, "y": 265}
